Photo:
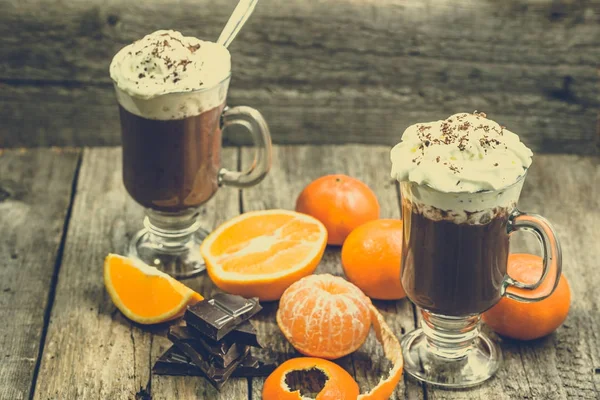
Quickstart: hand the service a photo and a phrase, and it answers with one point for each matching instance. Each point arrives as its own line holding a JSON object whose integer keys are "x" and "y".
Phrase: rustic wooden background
{"x": 321, "y": 71}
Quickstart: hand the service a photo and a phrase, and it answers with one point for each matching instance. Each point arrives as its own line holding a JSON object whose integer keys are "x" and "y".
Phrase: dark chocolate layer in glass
{"x": 171, "y": 165}
{"x": 453, "y": 269}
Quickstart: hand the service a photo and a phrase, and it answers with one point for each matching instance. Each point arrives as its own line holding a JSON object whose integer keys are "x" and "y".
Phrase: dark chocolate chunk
{"x": 174, "y": 362}
{"x": 216, "y": 376}
{"x": 220, "y": 353}
{"x": 220, "y": 315}
{"x": 252, "y": 367}
{"x": 245, "y": 334}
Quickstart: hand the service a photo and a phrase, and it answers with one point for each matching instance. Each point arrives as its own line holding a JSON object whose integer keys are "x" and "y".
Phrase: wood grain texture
{"x": 359, "y": 70}
{"x": 35, "y": 195}
{"x": 293, "y": 168}
{"x": 91, "y": 350}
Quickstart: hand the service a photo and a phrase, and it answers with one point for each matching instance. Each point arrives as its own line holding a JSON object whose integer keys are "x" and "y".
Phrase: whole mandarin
{"x": 372, "y": 256}
{"x": 527, "y": 321}
{"x": 340, "y": 202}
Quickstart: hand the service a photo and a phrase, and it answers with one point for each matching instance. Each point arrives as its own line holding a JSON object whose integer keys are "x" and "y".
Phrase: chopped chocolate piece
{"x": 252, "y": 367}
{"x": 218, "y": 316}
{"x": 245, "y": 334}
{"x": 217, "y": 376}
{"x": 220, "y": 353}
{"x": 174, "y": 362}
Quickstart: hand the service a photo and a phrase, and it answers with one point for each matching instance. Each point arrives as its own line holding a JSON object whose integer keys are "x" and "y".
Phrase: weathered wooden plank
{"x": 295, "y": 116}
{"x": 345, "y": 67}
{"x": 48, "y": 40}
{"x": 566, "y": 190}
{"x": 91, "y": 350}
{"x": 293, "y": 168}
{"x": 35, "y": 196}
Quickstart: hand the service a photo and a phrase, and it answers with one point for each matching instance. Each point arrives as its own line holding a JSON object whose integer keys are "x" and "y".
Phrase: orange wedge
{"x": 261, "y": 253}
{"x": 143, "y": 293}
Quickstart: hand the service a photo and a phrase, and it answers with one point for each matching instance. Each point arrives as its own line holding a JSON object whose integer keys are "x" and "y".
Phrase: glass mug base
{"x": 478, "y": 364}
{"x": 450, "y": 352}
{"x": 183, "y": 263}
{"x": 171, "y": 243}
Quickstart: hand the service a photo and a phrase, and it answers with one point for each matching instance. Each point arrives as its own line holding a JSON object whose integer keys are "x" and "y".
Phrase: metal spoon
{"x": 238, "y": 18}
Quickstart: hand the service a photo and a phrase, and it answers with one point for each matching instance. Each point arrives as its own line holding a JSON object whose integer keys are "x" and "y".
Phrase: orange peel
{"x": 338, "y": 385}
{"x": 392, "y": 351}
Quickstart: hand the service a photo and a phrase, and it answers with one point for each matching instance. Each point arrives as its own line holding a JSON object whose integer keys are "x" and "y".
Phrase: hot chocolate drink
{"x": 460, "y": 180}
{"x": 171, "y": 91}
{"x": 456, "y": 241}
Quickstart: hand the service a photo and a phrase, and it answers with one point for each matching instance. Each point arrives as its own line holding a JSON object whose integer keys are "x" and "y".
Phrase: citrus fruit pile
{"x": 328, "y": 317}
{"x": 272, "y": 255}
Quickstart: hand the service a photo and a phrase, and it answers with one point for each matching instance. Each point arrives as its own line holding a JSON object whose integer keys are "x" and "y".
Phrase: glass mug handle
{"x": 254, "y": 122}
{"x": 551, "y": 254}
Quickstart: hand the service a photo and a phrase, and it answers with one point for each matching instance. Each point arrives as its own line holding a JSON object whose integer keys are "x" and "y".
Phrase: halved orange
{"x": 143, "y": 293}
{"x": 261, "y": 253}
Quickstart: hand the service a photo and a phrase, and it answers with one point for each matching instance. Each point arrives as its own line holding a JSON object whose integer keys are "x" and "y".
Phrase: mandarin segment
{"x": 143, "y": 293}
{"x": 261, "y": 253}
{"x": 324, "y": 316}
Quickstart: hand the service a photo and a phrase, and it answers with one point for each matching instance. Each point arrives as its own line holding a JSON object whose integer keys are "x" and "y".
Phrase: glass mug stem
{"x": 171, "y": 231}
{"x": 450, "y": 337}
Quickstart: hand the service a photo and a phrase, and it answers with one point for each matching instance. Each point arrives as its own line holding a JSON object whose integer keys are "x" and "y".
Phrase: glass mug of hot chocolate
{"x": 172, "y": 92}
{"x": 460, "y": 180}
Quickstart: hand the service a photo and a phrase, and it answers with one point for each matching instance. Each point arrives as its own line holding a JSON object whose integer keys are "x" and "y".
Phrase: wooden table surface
{"x": 63, "y": 210}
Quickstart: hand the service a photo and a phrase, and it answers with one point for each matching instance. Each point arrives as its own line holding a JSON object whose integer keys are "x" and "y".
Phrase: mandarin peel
{"x": 392, "y": 351}
{"x": 338, "y": 384}
{"x": 384, "y": 388}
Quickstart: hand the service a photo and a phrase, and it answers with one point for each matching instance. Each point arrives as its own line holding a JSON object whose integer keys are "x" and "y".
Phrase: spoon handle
{"x": 238, "y": 18}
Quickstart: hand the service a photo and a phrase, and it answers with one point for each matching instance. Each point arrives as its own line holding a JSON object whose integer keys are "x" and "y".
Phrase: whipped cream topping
{"x": 166, "y": 76}
{"x": 463, "y": 153}
{"x": 166, "y": 62}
